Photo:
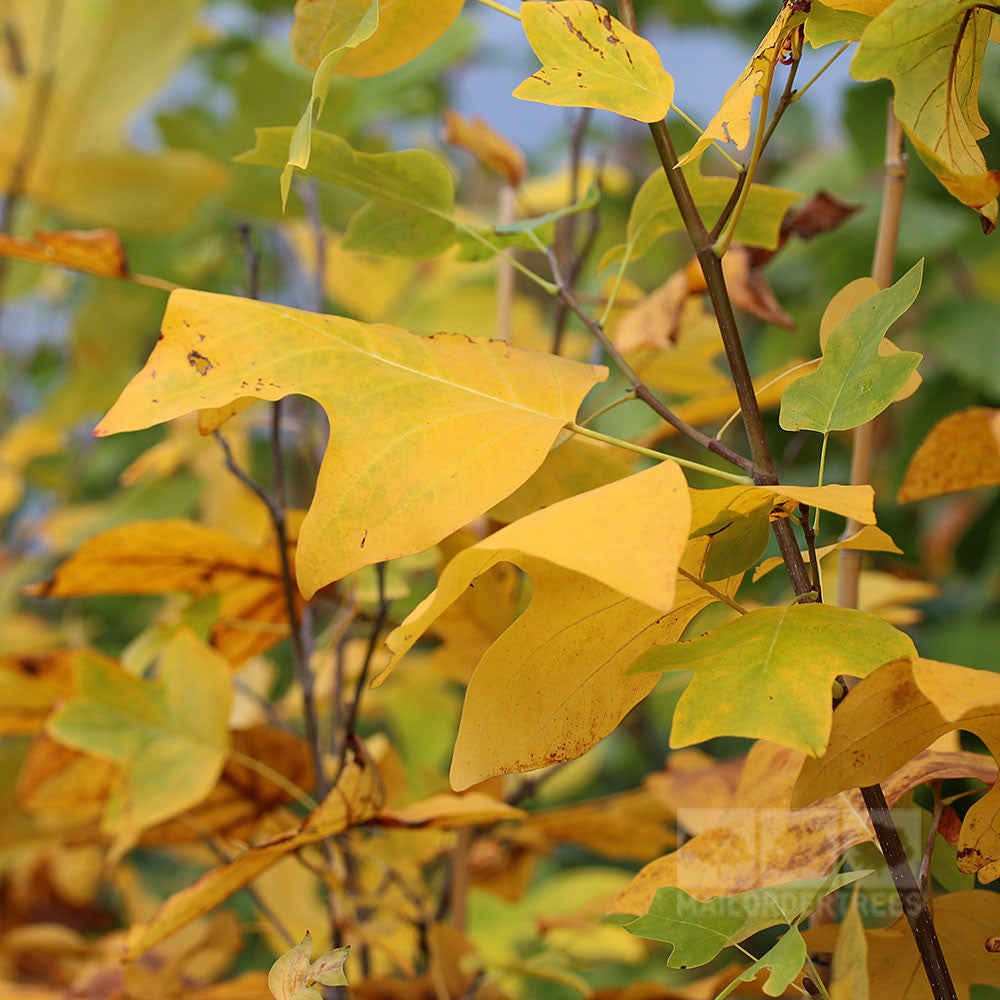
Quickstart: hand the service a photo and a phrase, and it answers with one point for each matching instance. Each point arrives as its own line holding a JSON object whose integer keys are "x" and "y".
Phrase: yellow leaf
{"x": 763, "y": 841}
{"x": 868, "y": 539}
{"x": 405, "y": 29}
{"x": 557, "y": 680}
{"x": 639, "y": 559}
{"x": 161, "y": 557}
{"x": 591, "y": 60}
{"x": 899, "y": 710}
{"x": 440, "y": 429}
{"x": 850, "y": 960}
{"x": 731, "y": 123}
{"x": 169, "y": 736}
{"x": 355, "y": 799}
{"x": 964, "y": 922}
{"x": 447, "y": 811}
{"x": 962, "y": 452}
{"x": 30, "y": 687}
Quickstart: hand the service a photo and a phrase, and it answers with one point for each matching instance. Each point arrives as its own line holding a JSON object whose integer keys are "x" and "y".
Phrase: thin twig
{"x": 714, "y": 591}
{"x": 923, "y": 879}
{"x": 642, "y": 391}
{"x": 351, "y": 721}
{"x": 810, "y": 536}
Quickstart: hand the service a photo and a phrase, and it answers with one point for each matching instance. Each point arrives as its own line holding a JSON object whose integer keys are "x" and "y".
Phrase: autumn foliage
{"x": 458, "y": 597}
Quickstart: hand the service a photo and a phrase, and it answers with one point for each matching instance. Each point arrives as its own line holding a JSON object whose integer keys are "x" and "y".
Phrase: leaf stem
{"x": 799, "y": 93}
{"x": 714, "y": 591}
{"x": 642, "y": 391}
{"x": 630, "y": 395}
{"x": 819, "y": 478}
{"x": 275, "y": 777}
{"x": 493, "y": 5}
{"x": 767, "y": 385}
{"x": 659, "y": 456}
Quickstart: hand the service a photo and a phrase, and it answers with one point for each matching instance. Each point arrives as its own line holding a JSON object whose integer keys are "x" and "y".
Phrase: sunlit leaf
{"x": 767, "y": 674}
{"x": 480, "y": 413}
{"x": 731, "y": 123}
{"x": 591, "y": 60}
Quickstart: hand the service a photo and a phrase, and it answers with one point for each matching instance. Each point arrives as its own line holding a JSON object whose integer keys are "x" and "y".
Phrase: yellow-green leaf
{"x": 169, "y": 736}
{"x": 654, "y": 212}
{"x": 591, "y": 60}
{"x": 426, "y": 432}
{"x": 850, "y": 960}
{"x": 932, "y": 51}
{"x": 411, "y": 193}
{"x": 854, "y": 382}
{"x": 767, "y": 675}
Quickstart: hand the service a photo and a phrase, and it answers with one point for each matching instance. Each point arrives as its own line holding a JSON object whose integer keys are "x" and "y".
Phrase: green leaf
{"x": 700, "y": 930}
{"x": 767, "y": 675}
{"x": 785, "y": 960}
{"x": 933, "y": 52}
{"x": 591, "y": 60}
{"x": 853, "y": 382}
{"x": 411, "y": 193}
{"x": 825, "y": 24}
{"x": 654, "y": 212}
{"x": 170, "y": 736}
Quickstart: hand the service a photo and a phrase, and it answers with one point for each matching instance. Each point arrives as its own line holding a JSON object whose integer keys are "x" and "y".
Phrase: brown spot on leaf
{"x": 581, "y": 36}
{"x": 364, "y": 538}
{"x": 199, "y": 363}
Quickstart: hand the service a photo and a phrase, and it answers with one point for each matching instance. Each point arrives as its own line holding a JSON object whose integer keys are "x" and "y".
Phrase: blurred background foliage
{"x": 69, "y": 342}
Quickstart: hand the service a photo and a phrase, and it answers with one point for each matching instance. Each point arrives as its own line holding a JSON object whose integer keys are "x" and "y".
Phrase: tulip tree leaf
{"x": 767, "y": 675}
{"x": 427, "y": 433}
{"x": 411, "y": 193}
{"x": 295, "y": 975}
{"x": 853, "y": 382}
{"x": 700, "y": 930}
{"x": 932, "y": 51}
{"x": 591, "y": 60}
{"x": 654, "y": 212}
{"x": 169, "y": 736}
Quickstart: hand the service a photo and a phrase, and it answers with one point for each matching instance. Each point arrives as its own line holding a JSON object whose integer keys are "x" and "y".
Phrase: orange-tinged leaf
{"x": 591, "y": 60}
{"x": 482, "y": 415}
{"x": 628, "y": 826}
{"x": 169, "y": 736}
{"x": 493, "y": 150}
{"x": 557, "y": 680}
{"x": 31, "y": 685}
{"x": 405, "y": 29}
{"x": 731, "y": 123}
{"x": 768, "y": 673}
{"x": 243, "y": 796}
{"x": 932, "y": 51}
{"x": 355, "y": 799}
{"x": 764, "y": 841}
{"x": 96, "y": 251}
{"x": 964, "y": 921}
{"x": 962, "y": 452}
{"x": 160, "y": 557}
{"x": 903, "y": 707}
{"x": 62, "y": 787}
{"x": 446, "y": 811}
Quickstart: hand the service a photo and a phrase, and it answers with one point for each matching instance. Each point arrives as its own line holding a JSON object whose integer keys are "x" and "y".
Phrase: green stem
{"x": 659, "y": 456}
{"x": 799, "y": 93}
{"x": 819, "y": 482}
{"x": 604, "y": 409}
{"x": 493, "y": 5}
{"x": 817, "y": 978}
{"x": 736, "y": 163}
